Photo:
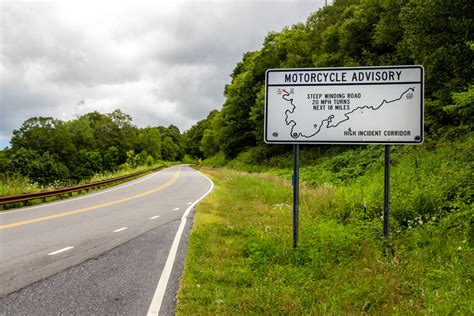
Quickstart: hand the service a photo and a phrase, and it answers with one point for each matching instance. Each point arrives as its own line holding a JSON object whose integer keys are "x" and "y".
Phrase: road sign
{"x": 359, "y": 105}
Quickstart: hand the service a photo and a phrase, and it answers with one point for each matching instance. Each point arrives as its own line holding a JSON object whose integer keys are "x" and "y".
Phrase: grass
{"x": 17, "y": 184}
{"x": 241, "y": 260}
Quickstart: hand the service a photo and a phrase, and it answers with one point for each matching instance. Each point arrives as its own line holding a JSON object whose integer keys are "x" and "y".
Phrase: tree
{"x": 114, "y": 129}
{"x": 437, "y": 35}
{"x": 89, "y": 163}
{"x": 170, "y": 151}
{"x": 150, "y": 141}
{"x": 173, "y": 149}
{"x": 208, "y": 144}
{"x": 4, "y": 160}
{"x": 237, "y": 133}
{"x": 82, "y": 133}
{"x": 41, "y": 168}
{"x": 193, "y": 137}
{"x": 111, "y": 158}
{"x": 36, "y": 132}
{"x": 46, "y": 135}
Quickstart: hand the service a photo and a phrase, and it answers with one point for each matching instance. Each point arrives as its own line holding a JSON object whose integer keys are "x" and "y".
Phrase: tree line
{"x": 51, "y": 151}
{"x": 437, "y": 34}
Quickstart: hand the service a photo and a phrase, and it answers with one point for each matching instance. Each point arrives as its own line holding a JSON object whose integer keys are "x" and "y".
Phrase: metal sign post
{"x": 296, "y": 192}
{"x": 386, "y": 191}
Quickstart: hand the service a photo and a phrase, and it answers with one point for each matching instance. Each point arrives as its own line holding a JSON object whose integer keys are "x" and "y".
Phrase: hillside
{"x": 241, "y": 255}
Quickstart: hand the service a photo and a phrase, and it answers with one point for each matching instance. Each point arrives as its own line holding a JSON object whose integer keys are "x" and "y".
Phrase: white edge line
{"x": 120, "y": 229}
{"x": 118, "y": 187}
{"x": 155, "y": 305}
{"x": 154, "y": 217}
{"x": 59, "y": 251}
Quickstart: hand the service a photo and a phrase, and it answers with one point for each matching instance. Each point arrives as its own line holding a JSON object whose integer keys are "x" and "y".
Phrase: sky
{"x": 161, "y": 62}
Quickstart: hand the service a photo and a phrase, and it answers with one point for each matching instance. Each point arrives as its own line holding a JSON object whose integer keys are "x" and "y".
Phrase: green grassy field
{"x": 241, "y": 259}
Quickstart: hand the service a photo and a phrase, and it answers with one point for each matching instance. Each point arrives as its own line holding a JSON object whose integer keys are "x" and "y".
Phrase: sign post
{"x": 357, "y": 105}
{"x": 386, "y": 192}
{"x": 296, "y": 192}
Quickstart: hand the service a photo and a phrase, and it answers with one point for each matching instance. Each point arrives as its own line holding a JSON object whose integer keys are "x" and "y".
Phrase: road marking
{"x": 155, "y": 305}
{"x": 189, "y": 203}
{"x": 176, "y": 209}
{"x": 120, "y": 229}
{"x": 117, "y": 187}
{"x": 94, "y": 207}
{"x": 155, "y": 217}
{"x": 59, "y": 251}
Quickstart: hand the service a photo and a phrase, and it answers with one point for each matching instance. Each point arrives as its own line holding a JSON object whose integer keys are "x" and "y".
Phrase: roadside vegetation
{"x": 47, "y": 153}
{"x": 17, "y": 184}
{"x": 240, "y": 255}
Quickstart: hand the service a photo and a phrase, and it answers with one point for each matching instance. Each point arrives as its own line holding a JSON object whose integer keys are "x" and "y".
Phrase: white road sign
{"x": 363, "y": 105}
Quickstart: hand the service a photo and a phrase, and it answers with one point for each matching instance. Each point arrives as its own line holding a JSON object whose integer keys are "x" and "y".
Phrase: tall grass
{"x": 16, "y": 184}
{"x": 427, "y": 181}
{"x": 241, "y": 260}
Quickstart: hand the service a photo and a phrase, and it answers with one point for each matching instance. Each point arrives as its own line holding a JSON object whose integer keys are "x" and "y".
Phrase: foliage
{"x": 172, "y": 143}
{"x": 436, "y": 34}
{"x": 41, "y": 168}
{"x": 48, "y": 151}
{"x": 169, "y": 149}
{"x": 241, "y": 258}
{"x": 428, "y": 181}
{"x": 150, "y": 141}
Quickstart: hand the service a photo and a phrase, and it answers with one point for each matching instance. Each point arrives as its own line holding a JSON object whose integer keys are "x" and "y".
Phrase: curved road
{"x": 109, "y": 252}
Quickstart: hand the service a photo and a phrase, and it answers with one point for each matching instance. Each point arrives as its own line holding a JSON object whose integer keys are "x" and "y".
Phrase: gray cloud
{"x": 161, "y": 64}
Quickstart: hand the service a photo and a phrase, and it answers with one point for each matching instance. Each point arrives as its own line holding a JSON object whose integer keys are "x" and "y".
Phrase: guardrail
{"x": 10, "y": 199}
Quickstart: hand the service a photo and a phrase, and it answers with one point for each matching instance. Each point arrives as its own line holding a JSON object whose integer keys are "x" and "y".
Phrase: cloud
{"x": 161, "y": 63}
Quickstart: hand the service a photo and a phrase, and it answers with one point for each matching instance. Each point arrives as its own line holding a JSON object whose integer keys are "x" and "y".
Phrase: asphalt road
{"x": 101, "y": 253}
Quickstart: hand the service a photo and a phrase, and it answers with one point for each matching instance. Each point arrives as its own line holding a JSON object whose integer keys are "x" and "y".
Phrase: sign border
{"x": 326, "y": 142}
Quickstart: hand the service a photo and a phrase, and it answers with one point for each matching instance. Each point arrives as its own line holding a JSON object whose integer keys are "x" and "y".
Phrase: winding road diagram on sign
{"x": 325, "y": 120}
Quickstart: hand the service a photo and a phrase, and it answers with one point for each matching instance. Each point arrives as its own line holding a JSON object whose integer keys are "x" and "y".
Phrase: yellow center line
{"x": 90, "y": 208}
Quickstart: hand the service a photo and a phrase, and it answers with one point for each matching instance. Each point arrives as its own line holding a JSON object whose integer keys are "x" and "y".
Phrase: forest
{"x": 49, "y": 151}
{"x": 435, "y": 34}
